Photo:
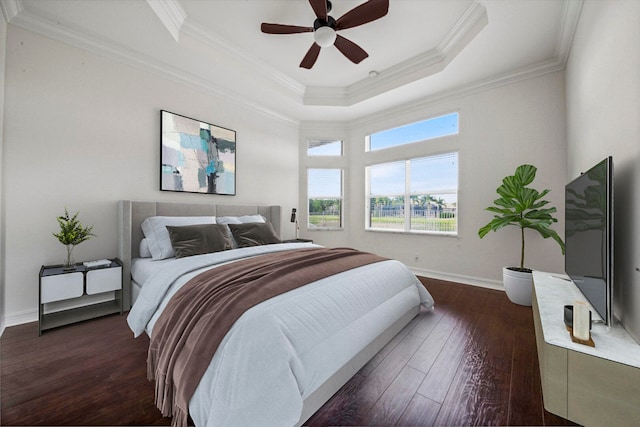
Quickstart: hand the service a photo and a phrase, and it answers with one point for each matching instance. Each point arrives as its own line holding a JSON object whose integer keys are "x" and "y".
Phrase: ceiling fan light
{"x": 324, "y": 36}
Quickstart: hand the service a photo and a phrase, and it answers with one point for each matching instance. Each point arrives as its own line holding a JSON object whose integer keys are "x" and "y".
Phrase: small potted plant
{"x": 522, "y": 207}
{"x": 72, "y": 233}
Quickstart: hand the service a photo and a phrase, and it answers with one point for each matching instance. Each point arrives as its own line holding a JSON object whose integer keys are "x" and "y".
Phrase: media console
{"x": 592, "y": 386}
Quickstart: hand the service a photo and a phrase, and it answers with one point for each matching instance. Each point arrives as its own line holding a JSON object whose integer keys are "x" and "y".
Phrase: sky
{"x": 428, "y": 175}
{"x": 420, "y": 131}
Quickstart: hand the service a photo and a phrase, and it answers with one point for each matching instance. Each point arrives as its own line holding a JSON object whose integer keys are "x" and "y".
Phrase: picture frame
{"x": 196, "y": 156}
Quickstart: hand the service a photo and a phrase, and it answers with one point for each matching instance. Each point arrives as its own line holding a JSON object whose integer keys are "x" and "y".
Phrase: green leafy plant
{"x": 72, "y": 233}
{"x": 522, "y": 206}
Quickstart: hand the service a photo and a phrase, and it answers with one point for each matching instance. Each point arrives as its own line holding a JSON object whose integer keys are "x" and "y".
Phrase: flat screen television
{"x": 589, "y": 236}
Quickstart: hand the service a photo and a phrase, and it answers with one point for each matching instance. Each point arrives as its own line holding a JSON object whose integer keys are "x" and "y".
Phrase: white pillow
{"x": 155, "y": 231}
{"x": 144, "y": 250}
{"x": 240, "y": 219}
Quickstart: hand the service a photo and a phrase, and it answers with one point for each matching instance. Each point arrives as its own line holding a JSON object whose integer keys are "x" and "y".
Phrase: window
{"x": 415, "y": 195}
{"x": 324, "y": 190}
{"x": 324, "y": 148}
{"x": 427, "y": 129}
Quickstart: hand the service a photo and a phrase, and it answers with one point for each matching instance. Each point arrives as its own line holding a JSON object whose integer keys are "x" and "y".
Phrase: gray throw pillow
{"x": 198, "y": 239}
{"x": 254, "y": 234}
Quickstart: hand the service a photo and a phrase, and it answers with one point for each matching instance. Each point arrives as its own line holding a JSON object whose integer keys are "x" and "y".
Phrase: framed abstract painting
{"x": 196, "y": 157}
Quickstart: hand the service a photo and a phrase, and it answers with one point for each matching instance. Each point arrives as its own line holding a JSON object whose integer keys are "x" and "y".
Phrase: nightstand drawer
{"x": 104, "y": 280}
{"x": 61, "y": 287}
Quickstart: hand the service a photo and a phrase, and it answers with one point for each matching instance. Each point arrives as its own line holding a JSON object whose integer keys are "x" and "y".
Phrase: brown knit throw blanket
{"x": 199, "y": 315}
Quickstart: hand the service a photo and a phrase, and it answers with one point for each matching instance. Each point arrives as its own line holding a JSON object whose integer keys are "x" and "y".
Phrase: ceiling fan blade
{"x": 311, "y": 57}
{"x": 319, "y": 8}
{"x": 284, "y": 29}
{"x": 351, "y": 50}
{"x": 366, "y": 12}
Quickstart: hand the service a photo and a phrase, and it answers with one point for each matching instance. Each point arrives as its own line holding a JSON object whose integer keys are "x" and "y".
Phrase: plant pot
{"x": 518, "y": 285}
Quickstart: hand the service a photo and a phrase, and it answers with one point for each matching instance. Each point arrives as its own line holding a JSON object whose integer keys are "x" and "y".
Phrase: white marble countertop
{"x": 553, "y": 292}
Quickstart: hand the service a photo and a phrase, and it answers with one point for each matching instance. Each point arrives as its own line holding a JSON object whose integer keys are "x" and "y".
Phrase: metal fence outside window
{"x": 435, "y": 218}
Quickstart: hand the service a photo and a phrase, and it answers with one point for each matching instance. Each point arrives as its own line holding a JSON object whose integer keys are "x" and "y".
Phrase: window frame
{"x": 368, "y": 148}
{"x": 341, "y": 198}
{"x": 322, "y": 141}
{"x": 407, "y": 196}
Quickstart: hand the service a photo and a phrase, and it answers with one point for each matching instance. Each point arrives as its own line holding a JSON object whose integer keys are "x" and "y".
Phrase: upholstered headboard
{"x": 132, "y": 213}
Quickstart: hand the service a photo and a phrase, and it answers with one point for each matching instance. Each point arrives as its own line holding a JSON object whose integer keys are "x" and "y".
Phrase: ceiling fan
{"x": 325, "y": 27}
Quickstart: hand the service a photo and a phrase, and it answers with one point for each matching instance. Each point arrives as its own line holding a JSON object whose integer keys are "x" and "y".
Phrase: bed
{"x": 309, "y": 340}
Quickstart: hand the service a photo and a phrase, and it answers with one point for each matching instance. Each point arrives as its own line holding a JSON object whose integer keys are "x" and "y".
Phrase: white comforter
{"x": 280, "y": 351}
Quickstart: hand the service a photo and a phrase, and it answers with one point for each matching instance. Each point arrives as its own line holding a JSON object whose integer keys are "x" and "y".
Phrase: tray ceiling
{"x": 423, "y": 49}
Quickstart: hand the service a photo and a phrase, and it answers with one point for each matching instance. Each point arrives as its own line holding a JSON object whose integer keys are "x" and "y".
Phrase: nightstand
{"x": 56, "y": 283}
{"x": 298, "y": 241}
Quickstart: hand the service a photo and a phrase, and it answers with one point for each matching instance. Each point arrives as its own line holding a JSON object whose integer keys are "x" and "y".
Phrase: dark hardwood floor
{"x": 472, "y": 361}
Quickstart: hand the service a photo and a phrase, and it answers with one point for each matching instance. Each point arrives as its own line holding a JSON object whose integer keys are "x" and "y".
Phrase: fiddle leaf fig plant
{"x": 72, "y": 233}
{"x": 522, "y": 207}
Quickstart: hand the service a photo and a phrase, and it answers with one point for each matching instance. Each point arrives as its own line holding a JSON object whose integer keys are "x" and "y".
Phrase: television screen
{"x": 589, "y": 235}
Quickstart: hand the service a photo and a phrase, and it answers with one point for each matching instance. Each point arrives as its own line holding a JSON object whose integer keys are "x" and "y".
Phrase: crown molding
{"x": 171, "y": 14}
{"x": 11, "y": 8}
{"x": 536, "y": 70}
{"x": 571, "y": 18}
{"x": 101, "y": 47}
{"x": 572, "y": 11}
{"x": 310, "y": 129}
{"x": 420, "y": 66}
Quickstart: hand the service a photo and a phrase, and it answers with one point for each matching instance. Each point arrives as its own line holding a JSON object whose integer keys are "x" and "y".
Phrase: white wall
{"x": 603, "y": 119}
{"x": 83, "y": 131}
{"x": 500, "y": 128}
{"x": 3, "y": 54}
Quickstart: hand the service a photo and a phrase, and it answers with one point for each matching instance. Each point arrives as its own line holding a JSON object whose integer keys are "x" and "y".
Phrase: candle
{"x": 581, "y": 321}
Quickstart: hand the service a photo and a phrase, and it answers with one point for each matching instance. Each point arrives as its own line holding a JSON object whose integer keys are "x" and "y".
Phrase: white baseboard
{"x": 28, "y": 316}
{"x": 458, "y": 278}
{"x": 21, "y": 317}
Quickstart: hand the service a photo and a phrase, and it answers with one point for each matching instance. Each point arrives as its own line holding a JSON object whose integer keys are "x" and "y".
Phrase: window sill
{"x": 414, "y": 232}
